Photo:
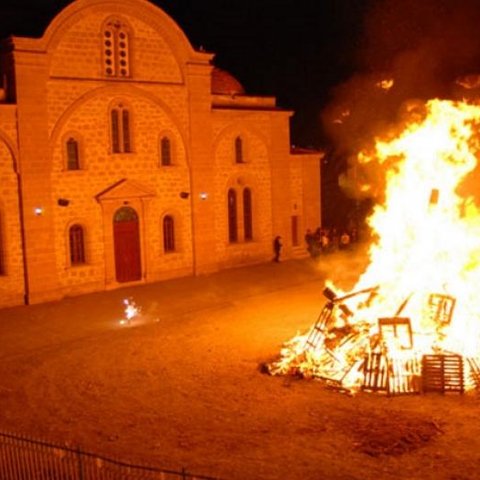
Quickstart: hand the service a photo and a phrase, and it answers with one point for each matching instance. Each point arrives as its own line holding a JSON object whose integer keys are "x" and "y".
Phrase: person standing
{"x": 277, "y": 248}
{"x": 310, "y": 240}
{"x": 344, "y": 241}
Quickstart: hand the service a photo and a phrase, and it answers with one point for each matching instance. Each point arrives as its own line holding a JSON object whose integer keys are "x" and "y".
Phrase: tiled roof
{"x": 224, "y": 83}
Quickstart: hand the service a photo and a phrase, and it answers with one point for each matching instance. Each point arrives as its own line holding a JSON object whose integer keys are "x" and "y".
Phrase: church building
{"x": 128, "y": 157}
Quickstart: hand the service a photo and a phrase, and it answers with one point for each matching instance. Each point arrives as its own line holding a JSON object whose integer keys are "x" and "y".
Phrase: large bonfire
{"x": 415, "y": 311}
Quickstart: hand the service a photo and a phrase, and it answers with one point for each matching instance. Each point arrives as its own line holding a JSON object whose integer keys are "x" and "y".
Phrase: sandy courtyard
{"x": 182, "y": 387}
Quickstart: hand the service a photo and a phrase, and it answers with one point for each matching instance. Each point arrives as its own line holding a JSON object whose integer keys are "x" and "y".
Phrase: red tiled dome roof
{"x": 224, "y": 83}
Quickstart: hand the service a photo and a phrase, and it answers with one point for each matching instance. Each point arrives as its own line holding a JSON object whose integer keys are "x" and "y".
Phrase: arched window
{"x": 126, "y": 130}
{"x": 165, "y": 152}
{"x": 77, "y": 245}
{"x": 247, "y": 214}
{"x": 232, "y": 216}
{"x": 73, "y": 154}
{"x": 120, "y": 129}
{"x": 116, "y": 46}
{"x": 238, "y": 150}
{"x": 125, "y": 214}
{"x": 115, "y": 127}
{"x": 168, "y": 234}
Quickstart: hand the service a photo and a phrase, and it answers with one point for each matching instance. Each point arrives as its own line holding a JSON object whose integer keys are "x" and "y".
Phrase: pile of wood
{"x": 342, "y": 352}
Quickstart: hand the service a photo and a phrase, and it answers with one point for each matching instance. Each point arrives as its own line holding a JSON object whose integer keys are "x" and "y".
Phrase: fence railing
{"x": 23, "y": 458}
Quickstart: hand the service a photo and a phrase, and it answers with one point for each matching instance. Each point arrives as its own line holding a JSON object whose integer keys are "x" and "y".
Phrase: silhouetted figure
{"x": 344, "y": 241}
{"x": 324, "y": 242}
{"x": 277, "y": 248}
{"x": 310, "y": 241}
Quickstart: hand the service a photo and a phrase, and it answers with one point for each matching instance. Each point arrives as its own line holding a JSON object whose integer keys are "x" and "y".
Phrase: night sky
{"x": 320, "y": 58}
{"x": 295, "y": 50}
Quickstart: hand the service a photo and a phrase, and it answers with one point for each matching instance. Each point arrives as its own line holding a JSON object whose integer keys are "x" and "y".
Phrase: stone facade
{"x": 127, "y": 157}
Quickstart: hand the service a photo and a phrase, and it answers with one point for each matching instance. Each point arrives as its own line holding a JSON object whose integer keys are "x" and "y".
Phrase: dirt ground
{"x": 181, "y": 386}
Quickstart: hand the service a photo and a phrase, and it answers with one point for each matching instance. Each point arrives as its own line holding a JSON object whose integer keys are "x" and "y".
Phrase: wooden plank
{"x": 474, "y": 371}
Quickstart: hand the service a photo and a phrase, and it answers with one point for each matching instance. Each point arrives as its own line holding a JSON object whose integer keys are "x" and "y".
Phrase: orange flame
{"x": 428, "y": 236}
{"x": 426, "y": 256}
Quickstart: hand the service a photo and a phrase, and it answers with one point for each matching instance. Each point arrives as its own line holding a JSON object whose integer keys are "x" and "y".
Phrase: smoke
{"x": 332, "y": 266}
{"x": 411, "y": 51}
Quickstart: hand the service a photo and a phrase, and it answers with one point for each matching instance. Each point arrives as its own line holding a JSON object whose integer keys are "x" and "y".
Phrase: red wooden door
{"x": 128, "y": 265}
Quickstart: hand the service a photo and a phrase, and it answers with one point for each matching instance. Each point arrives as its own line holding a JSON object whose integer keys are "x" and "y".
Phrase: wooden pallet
{"x": 375, "y": 373}
{"x": 317, "y": 333}
{"x": 391, "y": 375}
{"x": 404, "y": 376}
{"x": 443, "y": 373}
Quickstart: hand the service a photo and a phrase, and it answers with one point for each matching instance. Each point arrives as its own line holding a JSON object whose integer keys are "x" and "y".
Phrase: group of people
{"x": 327, "y": 240}
{"x": 321, "y": 241}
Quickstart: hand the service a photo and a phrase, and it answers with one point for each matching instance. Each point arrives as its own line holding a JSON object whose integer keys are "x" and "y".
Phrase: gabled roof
{"x": 124, "y": 189}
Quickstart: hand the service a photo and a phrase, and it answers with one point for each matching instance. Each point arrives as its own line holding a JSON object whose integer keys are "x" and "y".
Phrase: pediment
{"x": 123, "y": 190}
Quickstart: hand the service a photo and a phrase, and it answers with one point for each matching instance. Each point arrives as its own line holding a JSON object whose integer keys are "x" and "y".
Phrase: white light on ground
{"x": 130, "y": 312}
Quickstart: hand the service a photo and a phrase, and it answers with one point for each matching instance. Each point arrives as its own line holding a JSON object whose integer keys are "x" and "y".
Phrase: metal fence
{"x": 23, "y": 458}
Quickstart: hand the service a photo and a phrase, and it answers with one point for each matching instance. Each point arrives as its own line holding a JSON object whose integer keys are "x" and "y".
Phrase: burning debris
{"x": 469, "y": 81}
{"x": 341, "y": 118}
{"x": 376, "y": 358}
{"x": 385, "y": 84}
{"x": 381, "y": 357}
{"x": 418, "y": 328}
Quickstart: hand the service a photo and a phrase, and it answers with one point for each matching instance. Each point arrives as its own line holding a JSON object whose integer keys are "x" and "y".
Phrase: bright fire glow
{"x": 385, "y": 84}
{"x": 424, "y": 265}
{"x": 130, "y": 312}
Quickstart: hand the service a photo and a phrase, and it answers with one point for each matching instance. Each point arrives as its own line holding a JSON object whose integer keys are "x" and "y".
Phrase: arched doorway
{"x": 126, "y": 235}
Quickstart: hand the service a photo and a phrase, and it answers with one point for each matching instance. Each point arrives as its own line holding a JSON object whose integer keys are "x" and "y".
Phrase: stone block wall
{"x": 63, "y": 92}
{"x": 254, "y": 173}
{"x": 11, "y": 263}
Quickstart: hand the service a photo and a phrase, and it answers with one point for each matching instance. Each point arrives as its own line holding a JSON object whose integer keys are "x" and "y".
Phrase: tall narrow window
{"x": 126, "y": 130}
{"x": 232, "y": 216}
{"x": 115, "y": 131}
{"x": 2, "y": 250}
{"x": 168, "y": 234}
{"x": 247, "y": 214}
{"x": 116, "y": 45}
{"x": 120, "y": 129}
{"x": 73, "y": 156}
{"x": 165, "y": 152}
{"x": 295, "y": 235}
{"x": 238, "y": 150}
{"x": 77, "y": 245}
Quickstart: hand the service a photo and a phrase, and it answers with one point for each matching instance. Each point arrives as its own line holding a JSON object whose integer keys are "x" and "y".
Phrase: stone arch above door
{"x": 125, "y": 206}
